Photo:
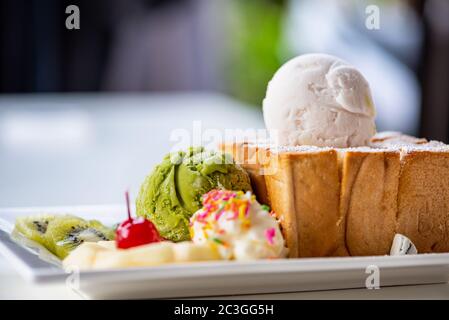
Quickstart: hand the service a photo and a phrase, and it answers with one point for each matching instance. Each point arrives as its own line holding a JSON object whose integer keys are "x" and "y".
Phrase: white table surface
{"x": 83, "y": 149}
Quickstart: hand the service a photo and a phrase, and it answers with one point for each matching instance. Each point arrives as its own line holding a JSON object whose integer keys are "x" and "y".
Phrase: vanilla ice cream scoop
{"x": 320, "y": 100}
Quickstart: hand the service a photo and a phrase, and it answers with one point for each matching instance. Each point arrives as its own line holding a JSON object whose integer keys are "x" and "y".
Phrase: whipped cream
{"x": 238, "y": 226}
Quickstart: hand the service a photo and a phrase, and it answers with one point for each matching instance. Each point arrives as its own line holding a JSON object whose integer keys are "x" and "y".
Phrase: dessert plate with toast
{"x": 325, "y": 202}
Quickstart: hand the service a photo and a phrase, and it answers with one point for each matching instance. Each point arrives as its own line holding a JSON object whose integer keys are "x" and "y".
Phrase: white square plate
{"x": 217, "y": 278}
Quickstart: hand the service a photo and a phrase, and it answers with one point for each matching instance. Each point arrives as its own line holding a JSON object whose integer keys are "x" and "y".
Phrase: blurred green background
{"x": 257, "y": 50}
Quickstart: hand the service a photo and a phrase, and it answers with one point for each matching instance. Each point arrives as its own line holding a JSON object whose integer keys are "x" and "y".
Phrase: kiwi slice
{"x": 35, "y": 228}
{"x": 66, "y": 234}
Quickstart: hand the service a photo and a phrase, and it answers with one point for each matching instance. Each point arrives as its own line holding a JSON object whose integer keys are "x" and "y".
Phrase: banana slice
{"x": 108, "y": 244}
{"x": 105, "y": 255}
{"x": 83, "y": 257}
{"x": 189, "y": 252}
{"x": 147, "y": 255}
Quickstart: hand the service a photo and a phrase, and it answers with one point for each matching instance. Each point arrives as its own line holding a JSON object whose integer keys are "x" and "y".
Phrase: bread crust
{"x": 280, "y": 186}
{"x": 369, "y": 190}
{"x": 304, "y": 189}
{"x": 251, "y": 158}
{"x": 423, "y": 201}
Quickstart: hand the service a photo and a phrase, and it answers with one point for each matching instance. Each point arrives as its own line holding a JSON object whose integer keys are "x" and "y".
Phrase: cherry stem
{"x": 127, "y": 204}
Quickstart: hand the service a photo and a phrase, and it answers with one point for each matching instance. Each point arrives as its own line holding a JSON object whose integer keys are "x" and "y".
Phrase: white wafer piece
{"x": 402, "y": 246}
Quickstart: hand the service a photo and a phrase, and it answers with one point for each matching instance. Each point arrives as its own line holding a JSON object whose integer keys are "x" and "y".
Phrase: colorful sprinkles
{"x": 225, "y": 205}
{"x": 269, "y": 234}
{"x": 235, "y": 204}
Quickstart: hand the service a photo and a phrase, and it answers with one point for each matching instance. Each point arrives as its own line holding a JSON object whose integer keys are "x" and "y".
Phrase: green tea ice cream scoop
{"x": 172, "y": 192}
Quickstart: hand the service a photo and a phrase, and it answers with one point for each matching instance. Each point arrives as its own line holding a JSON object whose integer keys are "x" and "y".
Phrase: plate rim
{"x": 209, "y": 268}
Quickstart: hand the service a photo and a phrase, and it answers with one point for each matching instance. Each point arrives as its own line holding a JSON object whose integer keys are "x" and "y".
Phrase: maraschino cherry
{"x": 135, "y": 231}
